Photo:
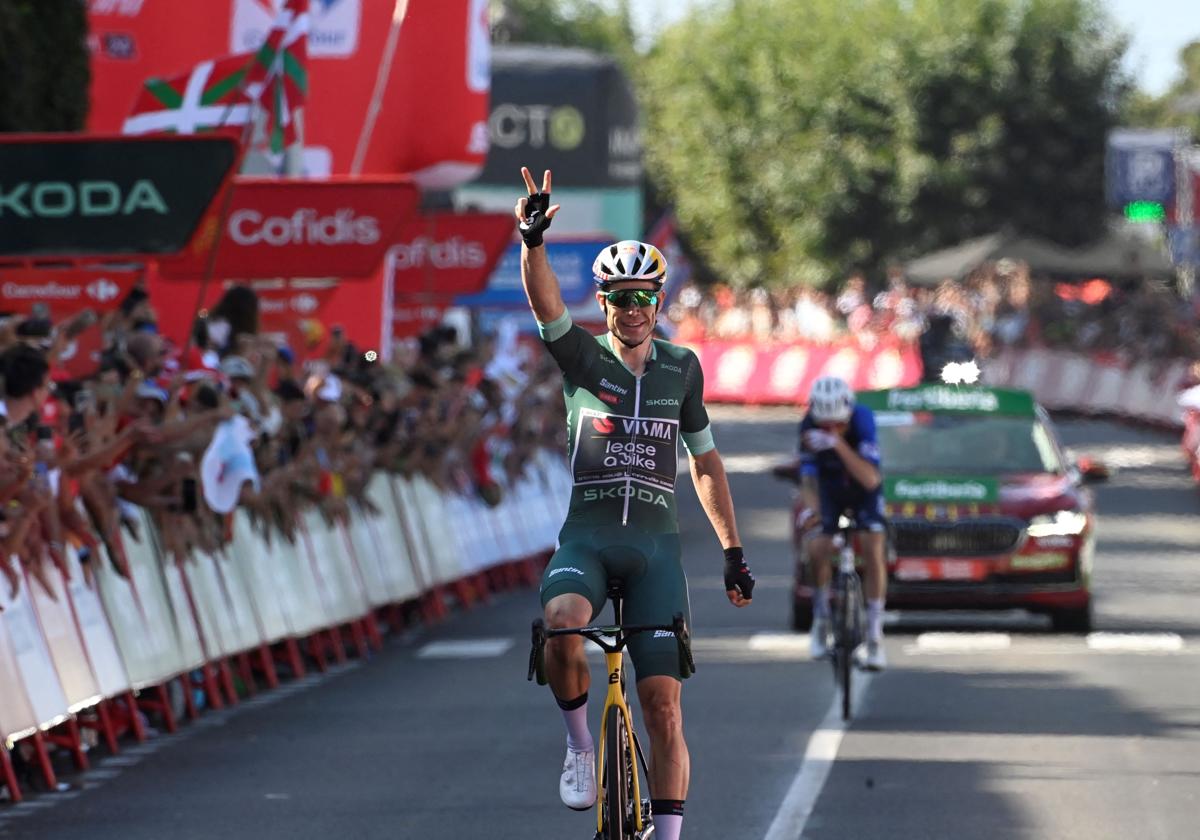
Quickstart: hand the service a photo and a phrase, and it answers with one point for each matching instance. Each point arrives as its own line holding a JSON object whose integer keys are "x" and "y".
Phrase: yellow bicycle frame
{"x": 616, "y": 697}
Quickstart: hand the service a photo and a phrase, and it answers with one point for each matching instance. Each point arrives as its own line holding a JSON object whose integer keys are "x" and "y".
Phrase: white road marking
{"x": 936, "y": 644}
{"x": 818, "y": 760}
{"x": 962, "y": 642}
{"x": 756, "y": 464}
{"x": 1135, "y": 642}
{"x": 465, "y": 649}
{"x": 785, "y": 642}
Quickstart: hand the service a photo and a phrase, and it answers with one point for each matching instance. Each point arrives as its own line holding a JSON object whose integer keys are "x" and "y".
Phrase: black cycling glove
{"x": 536, "y": 221}
{"x": 737, "y": 573}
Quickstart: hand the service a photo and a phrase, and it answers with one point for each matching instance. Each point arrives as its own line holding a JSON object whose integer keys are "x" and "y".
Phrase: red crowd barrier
{"x": 92, "y": 647}
{"x": 746, "y": 372}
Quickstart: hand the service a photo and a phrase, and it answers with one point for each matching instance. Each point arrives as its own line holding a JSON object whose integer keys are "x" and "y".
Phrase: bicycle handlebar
{"x": 621, "y": 635}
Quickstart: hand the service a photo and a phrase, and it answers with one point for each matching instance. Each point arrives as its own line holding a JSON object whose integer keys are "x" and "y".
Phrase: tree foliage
{"x": 566, "y": 23}
{"x": 44, "y": 63}
{"x": 1179, "y": 106}
{"x": 797, "y": 139}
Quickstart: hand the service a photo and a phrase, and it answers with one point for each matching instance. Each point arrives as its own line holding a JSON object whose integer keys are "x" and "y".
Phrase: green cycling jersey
{"x": 623, "y": 430}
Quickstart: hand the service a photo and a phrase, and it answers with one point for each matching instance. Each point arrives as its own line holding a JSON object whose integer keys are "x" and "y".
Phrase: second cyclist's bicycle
{"x": 624, "y": 812}
{"x": 846, "y": 602}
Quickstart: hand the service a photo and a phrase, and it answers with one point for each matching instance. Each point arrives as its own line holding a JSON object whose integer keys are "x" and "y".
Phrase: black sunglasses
{"x": 626, "y": 298}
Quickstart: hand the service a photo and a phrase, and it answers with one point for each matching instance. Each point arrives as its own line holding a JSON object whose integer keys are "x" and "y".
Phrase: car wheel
{"x": 1072, "y": 621}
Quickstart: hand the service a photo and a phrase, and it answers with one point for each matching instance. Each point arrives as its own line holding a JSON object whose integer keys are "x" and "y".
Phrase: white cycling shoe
{"x": 577, "y": 786}
{"x": 870, "y": 656}
{"x": 818, "y": 640}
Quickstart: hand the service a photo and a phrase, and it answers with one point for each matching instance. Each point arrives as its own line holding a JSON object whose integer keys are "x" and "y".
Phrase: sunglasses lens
{"x": 626, "y": 299}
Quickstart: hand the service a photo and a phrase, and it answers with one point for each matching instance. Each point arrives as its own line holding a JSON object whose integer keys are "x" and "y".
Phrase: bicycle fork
{"x": 616, "y": 697}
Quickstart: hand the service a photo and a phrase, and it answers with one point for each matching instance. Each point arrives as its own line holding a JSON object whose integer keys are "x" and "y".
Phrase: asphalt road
{"x": 984, "y": 726}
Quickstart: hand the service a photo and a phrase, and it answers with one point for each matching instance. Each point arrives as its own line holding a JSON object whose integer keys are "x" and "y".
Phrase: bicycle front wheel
{"x": 847, "y": 632}
{"x": 618, "y": 781}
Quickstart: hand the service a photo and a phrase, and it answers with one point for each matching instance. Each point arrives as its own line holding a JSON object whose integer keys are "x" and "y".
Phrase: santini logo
{"x": 604, "y": 383}
{"x": 59, "y": 199}
{"x": 561, "y": 569}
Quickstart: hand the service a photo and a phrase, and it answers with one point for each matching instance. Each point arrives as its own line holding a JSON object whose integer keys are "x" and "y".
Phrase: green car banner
{"x": 934, "y": 489}
{"x": 950, "y": 398}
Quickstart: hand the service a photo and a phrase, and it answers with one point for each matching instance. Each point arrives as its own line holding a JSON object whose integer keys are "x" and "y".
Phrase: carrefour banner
{"x": 73, "y": 196}
{"x": 570, "y": 110}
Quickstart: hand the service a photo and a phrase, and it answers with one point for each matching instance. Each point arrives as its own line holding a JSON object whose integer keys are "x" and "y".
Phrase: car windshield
{"x": 924, "y": 443}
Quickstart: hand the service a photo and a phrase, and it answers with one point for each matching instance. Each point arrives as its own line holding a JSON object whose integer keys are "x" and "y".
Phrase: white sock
{"x": 875, "y": 619}
{"x": 821, "y": 601}
{"x": 667, "y": 826}
{"x": 579, "y": 737}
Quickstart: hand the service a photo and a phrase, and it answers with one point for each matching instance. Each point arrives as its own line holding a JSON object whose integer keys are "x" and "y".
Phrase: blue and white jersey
{"x": 827, "y": 466}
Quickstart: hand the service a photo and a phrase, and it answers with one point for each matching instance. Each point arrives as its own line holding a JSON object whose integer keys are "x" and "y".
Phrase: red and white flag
{"x": 281, "y": 66}
{"x": 221, "y": 94}
{"x": 212, "y": 96}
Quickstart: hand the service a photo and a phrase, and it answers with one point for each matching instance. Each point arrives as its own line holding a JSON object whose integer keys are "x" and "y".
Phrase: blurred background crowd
{"x": 190, "y": 432}
{"x": 996, "y": 306}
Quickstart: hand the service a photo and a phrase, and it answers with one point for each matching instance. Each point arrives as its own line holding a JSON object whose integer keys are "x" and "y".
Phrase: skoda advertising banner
{"x": 569, "y": 110}
{"x": 437, "y": 77}
{"x": 274, "y": 228}
{"x": 74, "y": 196}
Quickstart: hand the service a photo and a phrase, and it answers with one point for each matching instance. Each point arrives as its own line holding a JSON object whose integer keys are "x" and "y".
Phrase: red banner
{"x": 743, "y": 372}
{"x": 433, "y": 100}
{"x": 412, "y": 319}
{"x": 300, "y": 313}
{"x": 298, "y": 228}
{"x": 448, "y": 254}
{"x": 65, "y": 291}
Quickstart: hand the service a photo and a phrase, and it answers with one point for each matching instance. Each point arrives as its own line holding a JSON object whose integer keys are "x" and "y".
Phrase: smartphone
{"x": 84, "y": 400}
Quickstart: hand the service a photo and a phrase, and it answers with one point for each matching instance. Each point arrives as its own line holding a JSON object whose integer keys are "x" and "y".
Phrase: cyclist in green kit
{"x": 630, "y": 398}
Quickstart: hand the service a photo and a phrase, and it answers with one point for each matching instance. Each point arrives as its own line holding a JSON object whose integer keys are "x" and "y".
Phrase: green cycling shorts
{"x": 655, "y": 586}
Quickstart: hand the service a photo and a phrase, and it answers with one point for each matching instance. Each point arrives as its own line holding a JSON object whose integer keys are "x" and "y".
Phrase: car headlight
{"x": 1063, "y": 523}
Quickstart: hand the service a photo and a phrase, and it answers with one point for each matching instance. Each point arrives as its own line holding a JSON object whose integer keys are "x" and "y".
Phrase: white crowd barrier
{"x": 90, "y": 638}
{"x": 1061, "y": 380}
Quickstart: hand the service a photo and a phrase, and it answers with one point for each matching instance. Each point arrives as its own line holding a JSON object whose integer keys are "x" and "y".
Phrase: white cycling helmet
{"x": 629, "y": 260}
{"x": 831, "y": 400}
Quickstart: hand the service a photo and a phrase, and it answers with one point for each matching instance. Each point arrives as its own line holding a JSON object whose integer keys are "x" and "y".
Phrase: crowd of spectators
{"x": 234, "y": 418}
{"x": 998, "y": 305}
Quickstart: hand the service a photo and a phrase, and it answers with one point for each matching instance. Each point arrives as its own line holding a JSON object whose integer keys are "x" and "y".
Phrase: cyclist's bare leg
{"x": 566, "y": 662}
{"x": 872, "y": 548}
{"x": 670, "y": 766}
{"x": 820, "y": 557}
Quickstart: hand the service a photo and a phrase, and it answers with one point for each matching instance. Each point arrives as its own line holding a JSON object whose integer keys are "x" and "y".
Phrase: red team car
{"x": 985, "y": 511}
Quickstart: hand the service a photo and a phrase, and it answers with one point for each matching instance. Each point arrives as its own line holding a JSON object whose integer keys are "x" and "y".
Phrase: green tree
{"x": 44, "y": 63}
{"x": 798, "y": 139}
{"x": 566, "y": 23}
{"x": 1179, "y": 106}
